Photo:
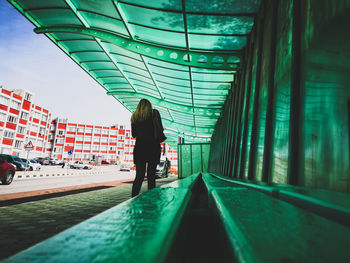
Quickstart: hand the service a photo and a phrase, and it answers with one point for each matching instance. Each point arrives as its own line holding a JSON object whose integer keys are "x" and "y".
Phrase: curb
{"x": 45, "y": 175}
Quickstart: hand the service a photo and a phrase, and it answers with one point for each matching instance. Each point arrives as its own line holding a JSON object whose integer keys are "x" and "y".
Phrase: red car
{"x": 7, "y": 172}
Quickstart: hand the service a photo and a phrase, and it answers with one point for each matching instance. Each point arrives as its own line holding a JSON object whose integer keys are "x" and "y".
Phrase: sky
{"x": 31, "y": 61}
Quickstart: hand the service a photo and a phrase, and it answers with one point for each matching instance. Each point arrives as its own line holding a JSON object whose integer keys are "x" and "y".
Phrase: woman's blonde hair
{"x": 142, "y": 112}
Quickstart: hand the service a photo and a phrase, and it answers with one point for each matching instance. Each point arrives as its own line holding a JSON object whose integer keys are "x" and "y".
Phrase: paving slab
{"x": 24, "y": 225}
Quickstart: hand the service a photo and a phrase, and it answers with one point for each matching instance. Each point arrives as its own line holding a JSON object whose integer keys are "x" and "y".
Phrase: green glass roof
{"x": 182, "y": 55}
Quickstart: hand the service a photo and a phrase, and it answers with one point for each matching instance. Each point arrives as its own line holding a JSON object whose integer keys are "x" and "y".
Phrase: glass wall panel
{"x": 327, "y": 97}
{"x": 265, "y": 68}
{"x": 194, "y": 156}
{"x": 282, "y": 92}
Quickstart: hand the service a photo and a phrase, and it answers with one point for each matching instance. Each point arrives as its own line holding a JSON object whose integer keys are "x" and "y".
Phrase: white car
{"x": 33, "y": 165}
{"x": 80, "y": 165}
{"x": 125, "y": 167}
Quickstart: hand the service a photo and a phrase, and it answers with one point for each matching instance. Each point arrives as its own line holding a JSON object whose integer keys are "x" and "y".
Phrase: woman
{"x": 147, "y": 147}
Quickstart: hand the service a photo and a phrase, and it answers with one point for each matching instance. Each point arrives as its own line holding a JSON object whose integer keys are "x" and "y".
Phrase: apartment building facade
{"x": 88, "y": 142}
{"x": 22, "y": 121}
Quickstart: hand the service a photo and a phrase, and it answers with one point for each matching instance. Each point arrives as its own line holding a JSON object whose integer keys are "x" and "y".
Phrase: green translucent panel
{"x": 176, "y": 94}
{"x": 216, "y": 71}
{"x": 209, "y": 92}
{"x": 84, "y": 45}
{"x": 164, "y": 87}
{"x": 89, "y": 56}
{"x": 139, "y": 78}
{"x": 105, "y": 7}
{"x": 113, "y": 80}
{"x": 141, "y": 70}
{"x": 193, "y": 158}
{"x": 205, "y": 157}
{"x": 129, "y": 61}
{"x": 327, "y": 106}
{"x": 168, "y": 4}
{"x": 28, "y": 4}
{"x": 165, "y": 64}
{"x": 282, "y": 91}
{"x": 206, "y": 24}
{"x": 154, "y": 18}
{"x": 209, "y": 99}
{"x": 116, "y": 50}
{"x": 209, "y": 85}
{"x": 55, "y": 17}
{"x": 186, "y": 161}
{"x": 265, "y": 69}
{"x": 223, "y": 6}
{"x": 167, "y": 72}
{"x": 99, "y": 65}
{"x": 159, "y": 36}
{"x": 196, "y": 158}
{"x": 204, "y": 104}
{"x": 98, "y": 21}
{"x": 151, "y": 92}
{"x": 68, "y": 36}
{"x": 208, "y": 42}
{"x": 212, "y": 77}
{"x": 120, "y": 86}
{"x": 185, "y": 101}
{"x": 173, "y": 81}
{"x": 250, "y": 114}
{"x": 144, "y": 84}
{"x": 106, "y": 73}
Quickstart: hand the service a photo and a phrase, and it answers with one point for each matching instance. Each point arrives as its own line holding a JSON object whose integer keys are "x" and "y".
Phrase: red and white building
{"x": 90, "y": 142}
{"x": 22, "y": 121}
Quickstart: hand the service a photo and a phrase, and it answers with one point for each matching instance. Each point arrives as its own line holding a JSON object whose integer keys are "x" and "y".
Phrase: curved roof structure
{"x": 182, "y": 55}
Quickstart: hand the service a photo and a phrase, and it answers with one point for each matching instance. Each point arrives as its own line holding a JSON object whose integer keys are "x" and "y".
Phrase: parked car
{"x": 15, "y": 160}
{"x": 33, "y": 165}
{"x": 54, "y": 161}
{"x": 125, "y": 167}
{"x": 162, "y": 169}
{"x": 104, "y": 162}
{"x": 42, "y": 161}
{"x": 7, "y": 171}
{"x": 80, "y": 165}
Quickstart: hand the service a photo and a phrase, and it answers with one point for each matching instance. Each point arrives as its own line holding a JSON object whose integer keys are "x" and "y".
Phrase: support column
{"x": 295, "y": 157}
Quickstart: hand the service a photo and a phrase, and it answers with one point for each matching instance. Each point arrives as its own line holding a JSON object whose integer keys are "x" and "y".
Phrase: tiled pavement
{"x": 24, "y": 225}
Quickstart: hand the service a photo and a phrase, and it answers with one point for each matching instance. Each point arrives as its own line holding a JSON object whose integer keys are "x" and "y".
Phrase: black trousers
{"x": 140, "y": 176}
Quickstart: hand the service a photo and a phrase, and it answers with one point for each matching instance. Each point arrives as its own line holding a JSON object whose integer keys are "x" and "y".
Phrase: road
{"x": 56, "y": 177}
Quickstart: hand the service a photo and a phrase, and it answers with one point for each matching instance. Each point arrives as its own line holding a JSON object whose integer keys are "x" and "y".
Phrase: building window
{"x": 37, "y": 115}
{"x": 71, "y": 128}
{"x": 34, "y": 128}
{"x": 80, "y": 129}
{"x": 2, "y": 116}
{"x": 4, "y": 100}
{"x": 41, "y": 131}
{"x": 89, "y": 130}
{"x": 24, "y": 115}
{"x": 28, "y": 96}
{"x": 20, "y": 130}
{"x": 8, "y": 134}
{"x": 59, "y": 141}
{"x": 16, "y": 105}
{"x": 12, "y": 119}
{"x": 18, "y": 144}
{"x": 44, "y": 118}
{"x": 60, "y": 132}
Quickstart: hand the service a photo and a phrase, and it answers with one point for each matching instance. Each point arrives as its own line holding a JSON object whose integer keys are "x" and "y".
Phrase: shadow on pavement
{"x": 21, "y": 200}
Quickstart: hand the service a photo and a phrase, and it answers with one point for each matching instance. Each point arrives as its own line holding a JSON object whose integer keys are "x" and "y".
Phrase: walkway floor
{"x": 23, "y": 225}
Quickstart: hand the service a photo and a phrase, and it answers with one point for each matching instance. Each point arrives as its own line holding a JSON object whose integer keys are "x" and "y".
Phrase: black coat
{"x": 147, "y": 149}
